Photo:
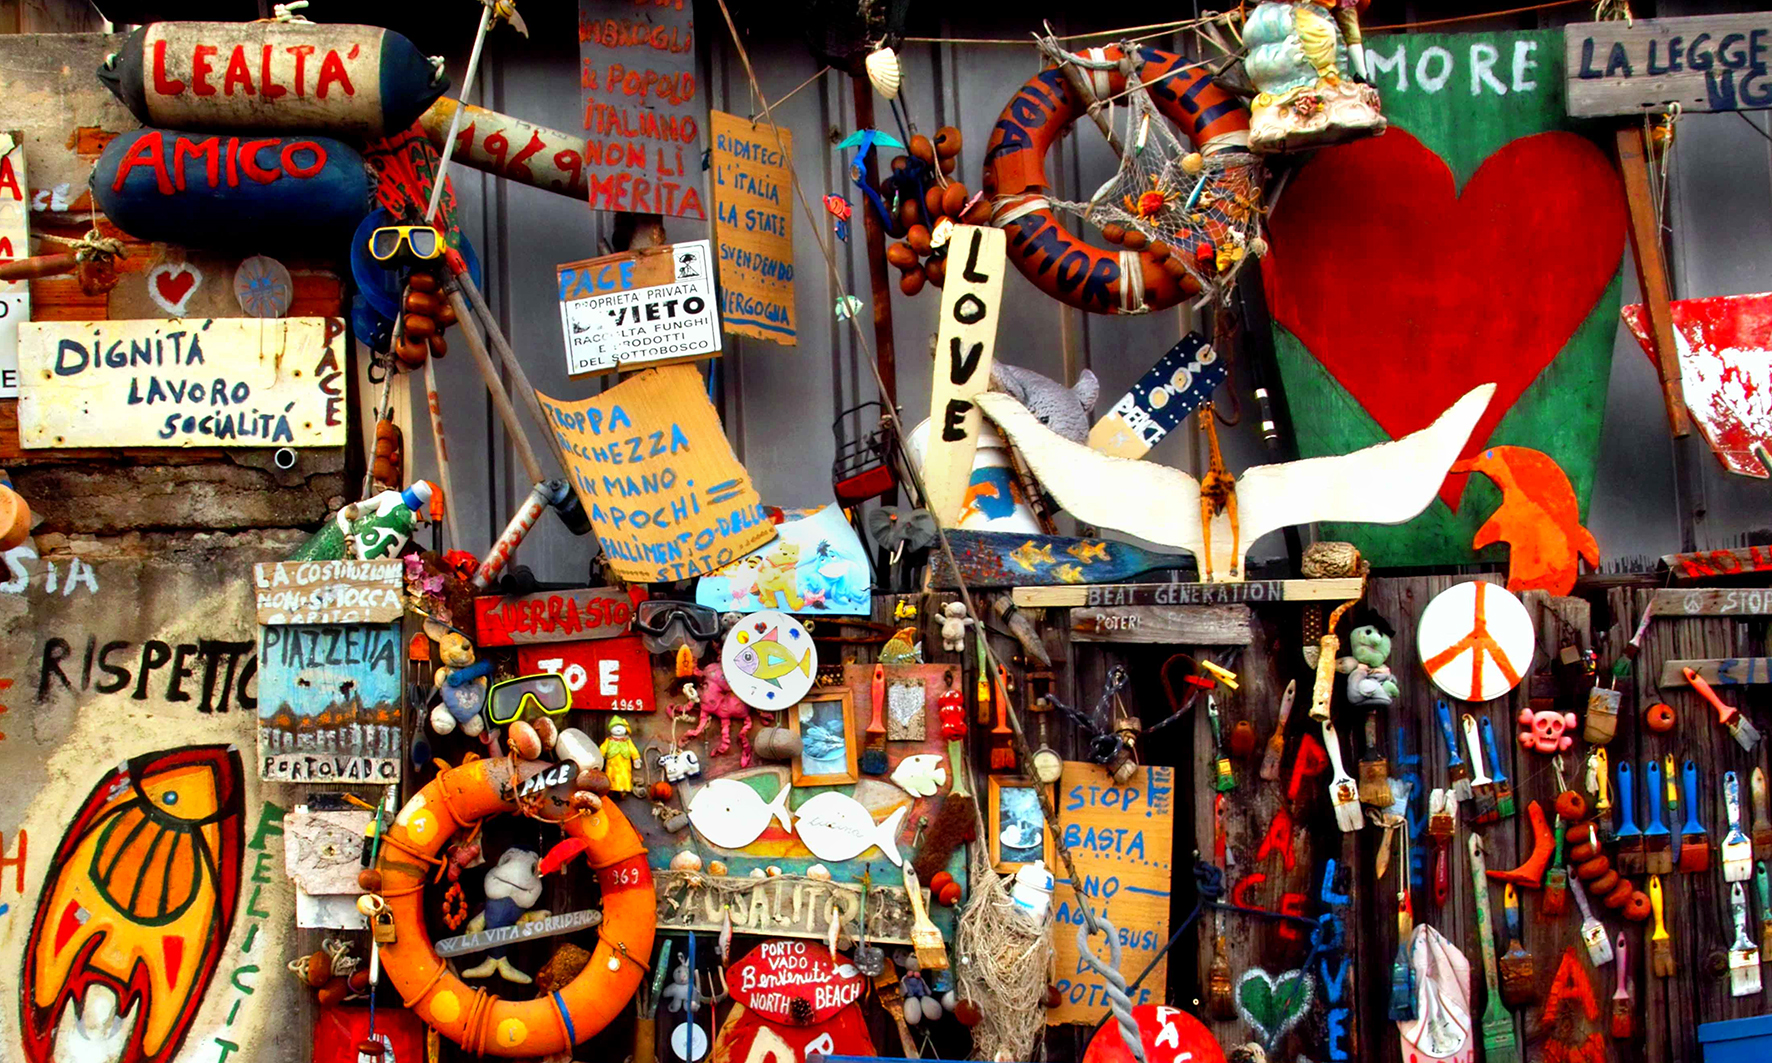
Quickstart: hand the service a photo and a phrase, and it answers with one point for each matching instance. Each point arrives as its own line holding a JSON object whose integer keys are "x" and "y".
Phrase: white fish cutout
{"x": 838, "y": 827}
{"x": 731, "y": 815}
{"x": 921, "y": 775}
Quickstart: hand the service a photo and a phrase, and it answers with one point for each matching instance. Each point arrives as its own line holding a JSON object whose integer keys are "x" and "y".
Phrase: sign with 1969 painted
{"x": 647, "y": 307}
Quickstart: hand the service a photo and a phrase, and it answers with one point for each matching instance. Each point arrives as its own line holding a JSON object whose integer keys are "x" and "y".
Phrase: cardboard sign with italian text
{"x": 665, "y": 493}
{"x": 551, "y": 616}
{"x": 329, "y": 592}
{"x": 216, "y": 382}
{"x": 15, "y": 242}
{"x": 604, "y": 675}
{"x": 970, "y": 308}
{"x": 643, "y": 107}
{"x": 1701, "y": 63}
{"x": 649, "y": 307}
{"x": 1120, "y": 838}
{"x": 754, "y": 226}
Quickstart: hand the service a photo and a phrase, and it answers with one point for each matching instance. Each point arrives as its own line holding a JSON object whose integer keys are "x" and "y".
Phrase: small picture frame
{"x": 1018, "y": 824}
{"x": 822, "y": 719}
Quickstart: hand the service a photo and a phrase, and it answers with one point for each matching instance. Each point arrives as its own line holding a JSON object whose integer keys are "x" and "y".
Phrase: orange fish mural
{"x": 139, "y": 899}
{"x": 1538, "y": 519}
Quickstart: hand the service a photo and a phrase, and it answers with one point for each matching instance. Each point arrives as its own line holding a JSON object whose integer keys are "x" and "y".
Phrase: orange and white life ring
{"x": 479, "y": 1021}
{"x": 1064, "y": 267}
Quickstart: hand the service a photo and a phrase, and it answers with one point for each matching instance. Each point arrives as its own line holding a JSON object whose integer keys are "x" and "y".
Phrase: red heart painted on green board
{"x": 1411, "y": 292}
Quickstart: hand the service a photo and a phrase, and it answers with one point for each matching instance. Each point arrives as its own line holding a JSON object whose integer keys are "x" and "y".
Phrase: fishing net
{"x": 1004, "y": 955}
{"x": 1166, "y": 191}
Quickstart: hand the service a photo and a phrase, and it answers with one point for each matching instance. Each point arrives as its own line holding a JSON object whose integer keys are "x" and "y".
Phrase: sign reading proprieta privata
{"x": 649, "y": 307}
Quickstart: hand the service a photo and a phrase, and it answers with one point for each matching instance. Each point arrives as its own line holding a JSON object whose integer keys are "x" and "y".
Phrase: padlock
{"x": 381, "y": 926}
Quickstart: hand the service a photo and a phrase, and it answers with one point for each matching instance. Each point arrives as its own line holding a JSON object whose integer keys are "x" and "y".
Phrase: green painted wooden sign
{"x": 1477, "y": 240}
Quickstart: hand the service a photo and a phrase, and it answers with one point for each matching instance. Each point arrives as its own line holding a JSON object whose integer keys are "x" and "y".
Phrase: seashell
{"x": 757, "y": 872}
{"x": 686, "y": 861}
{"x": 884, "y": 72}
{"x": 772, "y": 871}
{"x": 716, "y": 867}
{"x": 819, "y": 872}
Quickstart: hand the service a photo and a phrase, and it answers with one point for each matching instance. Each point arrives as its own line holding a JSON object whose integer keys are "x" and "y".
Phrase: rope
{"x": 1155, "y": 29}
{"x": 1472, "y": 18}
{"x": 1119, "y": 1001}
{"x": 764, "y": 113}
{"x": 1004, "y": 956}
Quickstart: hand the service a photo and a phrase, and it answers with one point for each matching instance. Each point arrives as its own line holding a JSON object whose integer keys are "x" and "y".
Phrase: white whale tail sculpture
{"x": 1384, "y": 484}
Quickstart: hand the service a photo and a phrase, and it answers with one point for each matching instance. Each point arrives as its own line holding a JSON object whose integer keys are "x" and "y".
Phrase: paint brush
{"x": 932, "y": 952}
{"x": 1517, "y": 970}
{"x": 1744, "y": 955}
{"x": 873, "y": 756}
{"x": 1672, "y": 779}
{"x": 956, "y": 821}
{"x": 890, "y": 993}
{"x": 1556, "y": 881}
{"x": 1746, "y": 735}
{"x": 1375, "y": 772}
{"x": 1499, "y": 1044}
{"x": 1763, "y": 886}
{"x": 1220, "y": 996}
{"x": 1623, "y": 1011}
{"x": 1593, "y": 932}
{"x": 1002, "y": 738}
{"x": 1694, "y": 842}
{"x": 1762, "y": 832}
{"x": 1599, "y": 775}
{"x": 1482, "y": 787}
{"x": 1661, "y": 946}
{"x": 1657, "y": 858}
{"x": 1402, "y": 1005}
{"x": 1224, "y": 779}
{"x": 1738, "y": 852}
{"x": 1442, "y": 825}
{"x": 1276, "y": 744}
{"x": 1504, "y": 788}
{"x": 1456, "y": 771}
{"x": 1344, "y": 794}
{"x": 1631, "y": 856}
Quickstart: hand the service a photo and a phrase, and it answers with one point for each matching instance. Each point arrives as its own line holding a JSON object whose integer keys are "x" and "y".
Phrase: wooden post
{"x": 884, "y": 357}
{"x": 1645, "y": 242}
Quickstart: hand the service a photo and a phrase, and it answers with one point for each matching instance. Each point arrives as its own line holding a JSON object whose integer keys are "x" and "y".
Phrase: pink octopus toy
{"x": 718, "y": 700}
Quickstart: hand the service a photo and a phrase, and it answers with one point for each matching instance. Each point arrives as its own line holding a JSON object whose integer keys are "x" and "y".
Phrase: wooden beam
{"x": 1186, "y": 625}
{"x": 879, "y": 282}
{"x": 1645, "y": 243}
{"x": 1171, "y": 594}
{"x": 1727, "y": 672}
{"x": 1714, "y": 601}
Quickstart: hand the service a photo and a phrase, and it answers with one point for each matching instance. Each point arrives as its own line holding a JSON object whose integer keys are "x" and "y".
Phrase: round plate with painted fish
{"x": 769, "y": 660}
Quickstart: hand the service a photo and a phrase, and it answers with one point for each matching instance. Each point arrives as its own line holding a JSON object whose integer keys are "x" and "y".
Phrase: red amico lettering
{"x": 223, "y": 161}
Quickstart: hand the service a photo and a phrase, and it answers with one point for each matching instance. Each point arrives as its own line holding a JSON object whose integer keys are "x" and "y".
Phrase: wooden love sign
{"x": 970, "y": 308}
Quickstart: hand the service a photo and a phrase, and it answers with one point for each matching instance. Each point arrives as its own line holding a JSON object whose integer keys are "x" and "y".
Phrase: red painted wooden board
{"x": 604, "y": 675}
{"x": 552, "y": 616}
{"x": 1410, "y": 291}
{"x": 1725, "y": 352}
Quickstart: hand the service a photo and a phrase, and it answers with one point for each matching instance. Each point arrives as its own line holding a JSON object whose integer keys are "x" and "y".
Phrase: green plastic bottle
{"x": 378, "y": 527}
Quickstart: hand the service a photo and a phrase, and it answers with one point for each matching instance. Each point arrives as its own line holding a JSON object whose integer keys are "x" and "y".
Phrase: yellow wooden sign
{"x": 752, "y": 179}
{"x": 967, "y": 334}
{"x": 1120, "y": 838}
{"x": 665, "y": 493}
{"x": 216, "y": 382}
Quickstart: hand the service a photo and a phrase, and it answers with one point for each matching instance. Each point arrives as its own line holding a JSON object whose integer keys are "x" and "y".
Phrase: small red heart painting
{"x": 171, "y": 285}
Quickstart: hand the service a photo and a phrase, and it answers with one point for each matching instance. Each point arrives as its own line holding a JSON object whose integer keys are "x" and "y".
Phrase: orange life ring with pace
{"x": 1059, "y": 264}
{"x": 479, "y": 1021}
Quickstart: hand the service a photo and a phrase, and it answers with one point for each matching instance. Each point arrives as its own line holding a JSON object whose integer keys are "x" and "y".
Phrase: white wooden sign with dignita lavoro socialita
{"x": 220, "y": 382}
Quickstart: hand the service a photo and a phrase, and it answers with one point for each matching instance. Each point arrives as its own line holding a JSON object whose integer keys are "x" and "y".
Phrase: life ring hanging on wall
{"x": 478, "y": 1021}
{"x": 1057, "y": 262}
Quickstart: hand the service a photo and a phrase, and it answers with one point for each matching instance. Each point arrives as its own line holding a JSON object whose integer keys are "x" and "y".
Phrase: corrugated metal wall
{"x": 780, "y": 401}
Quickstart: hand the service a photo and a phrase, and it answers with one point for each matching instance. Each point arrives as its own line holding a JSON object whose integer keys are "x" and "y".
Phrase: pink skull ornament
{"x": 1544, "y": 729}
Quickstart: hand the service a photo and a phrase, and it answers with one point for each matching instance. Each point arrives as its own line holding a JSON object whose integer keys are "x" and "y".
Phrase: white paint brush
{"x": 1344, "y": 793}
{"x": 1744, "y": 955}
{"x": 1738, "y": 850}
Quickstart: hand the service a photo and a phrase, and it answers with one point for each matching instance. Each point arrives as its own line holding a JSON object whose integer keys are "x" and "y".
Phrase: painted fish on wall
{"x": 138, "y": 903}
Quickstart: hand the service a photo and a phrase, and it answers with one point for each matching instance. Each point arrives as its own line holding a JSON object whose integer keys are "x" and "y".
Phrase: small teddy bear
{"x": 462, "y": 696}
{"x": 954, "y": 623}
{"x": 1544, "y": 730}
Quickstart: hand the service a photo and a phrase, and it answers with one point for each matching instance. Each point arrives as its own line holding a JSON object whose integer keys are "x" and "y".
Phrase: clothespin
{"x": 1224, "y": 675}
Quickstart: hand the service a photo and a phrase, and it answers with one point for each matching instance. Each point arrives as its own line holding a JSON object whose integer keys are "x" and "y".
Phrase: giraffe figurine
{"x": 1218, "y": 494}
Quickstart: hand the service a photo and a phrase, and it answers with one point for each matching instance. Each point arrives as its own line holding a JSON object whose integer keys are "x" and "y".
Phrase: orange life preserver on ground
{"x": 477, "y": 1020}
{"x": 1058, "y": 263}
